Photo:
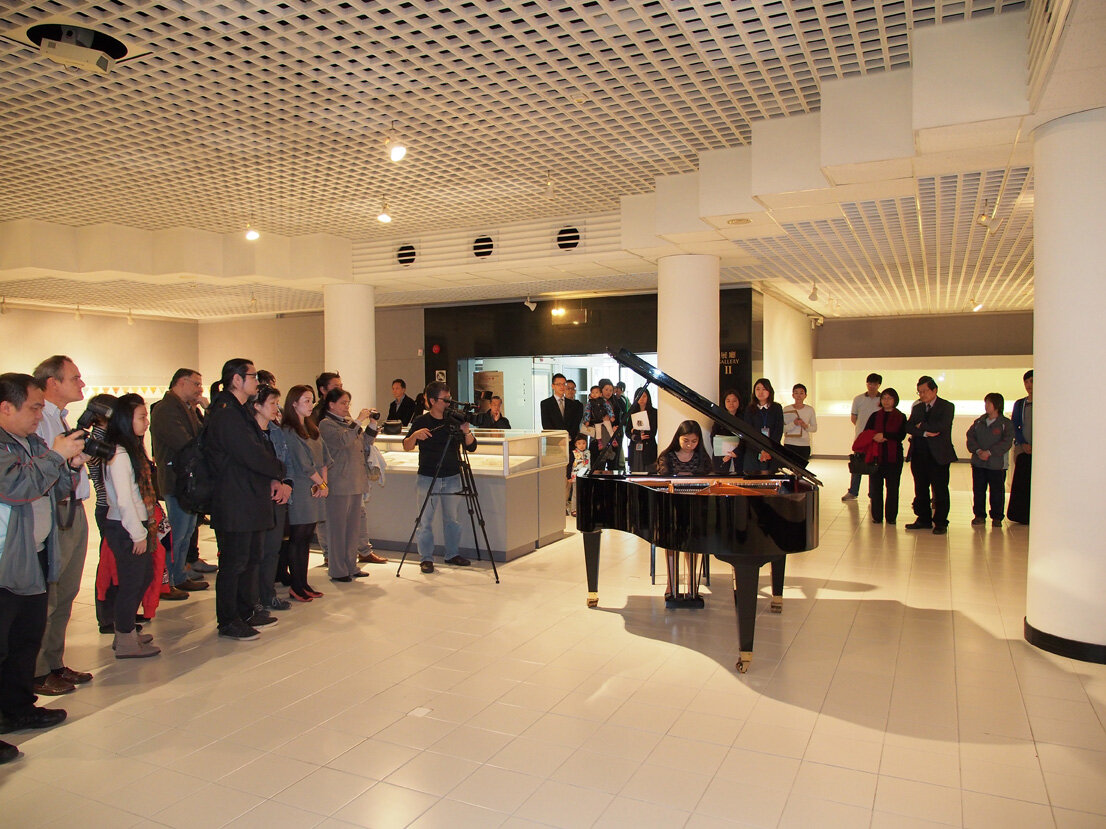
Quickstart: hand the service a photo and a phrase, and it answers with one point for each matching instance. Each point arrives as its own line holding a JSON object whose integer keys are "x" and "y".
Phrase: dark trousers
{"x": 236, "y": 582}
{"x": 22, "y": 623}
{"x": 105, "y": 608}
{"x": 299, "y": 548}
{"x": 981, "y": 480}
{"x": 930, "y": 475}
{"x": 270, "y": 554}
{"x": 134, "y": 574}
{"x": 889, "y": 474}
{"x": 1018, "y": 508}
{"x": 802, "y": 451}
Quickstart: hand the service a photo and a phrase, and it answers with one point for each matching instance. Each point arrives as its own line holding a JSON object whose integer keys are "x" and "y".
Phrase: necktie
{"x": 561, "y": 405}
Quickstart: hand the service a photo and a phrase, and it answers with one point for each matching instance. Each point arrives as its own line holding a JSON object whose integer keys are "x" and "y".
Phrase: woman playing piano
{"x": 684, "y": 456}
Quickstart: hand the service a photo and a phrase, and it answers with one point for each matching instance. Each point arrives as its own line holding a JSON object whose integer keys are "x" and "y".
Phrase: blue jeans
{"x": 854, "y": 483}
{"x": 183, "y": 523}
{"x": 450, "y": 506}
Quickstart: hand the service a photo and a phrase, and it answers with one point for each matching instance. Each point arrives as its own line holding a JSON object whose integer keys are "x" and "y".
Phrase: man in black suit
{"x": 559, "y": 412}
{"x": 403, "y": 407}
{"x": 931, "y": 454}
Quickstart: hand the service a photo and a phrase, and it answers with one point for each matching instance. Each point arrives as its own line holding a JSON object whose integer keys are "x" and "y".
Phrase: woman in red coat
{"x": 889, "y": 425}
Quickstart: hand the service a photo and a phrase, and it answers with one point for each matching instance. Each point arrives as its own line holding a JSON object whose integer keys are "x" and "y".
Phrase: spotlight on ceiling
{"x": 130, "y": 317}
{"x": 251, "y": 234}
{"x": 395, "y": 148}
{"x": 813, "y": 297}
{"x": 384, "y": 216}
{"x": 976, "y": 306}
{"x": 530, "y": 304}
{"x": 77, "y": 314}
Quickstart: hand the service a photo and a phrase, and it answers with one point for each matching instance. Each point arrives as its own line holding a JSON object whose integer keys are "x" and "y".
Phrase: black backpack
{"x": 195, "y": 483}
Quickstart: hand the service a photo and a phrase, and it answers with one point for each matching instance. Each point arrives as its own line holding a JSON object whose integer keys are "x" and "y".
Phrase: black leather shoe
{"x": 8, "y": 752}
{"x": 919, "y": 525}
{"x": 35, "y": 718}
{"x": 345, "y": 579}
{"x": 426, "y": 566}
{"x": 940, "y": 530}
{"x": 458, "y": 561}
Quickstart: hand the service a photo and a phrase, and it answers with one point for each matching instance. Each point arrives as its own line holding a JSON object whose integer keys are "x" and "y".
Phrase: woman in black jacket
{"x": 247, "y": 480}
{"x": 643, "y": 442}
{"x": 765, "y": 414}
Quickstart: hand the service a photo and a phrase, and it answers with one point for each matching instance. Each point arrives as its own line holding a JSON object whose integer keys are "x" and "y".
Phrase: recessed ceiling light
{"x": 251, "y": 234}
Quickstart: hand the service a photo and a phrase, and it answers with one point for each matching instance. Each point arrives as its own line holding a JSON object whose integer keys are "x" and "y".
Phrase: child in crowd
{"x": 581, "y": 463}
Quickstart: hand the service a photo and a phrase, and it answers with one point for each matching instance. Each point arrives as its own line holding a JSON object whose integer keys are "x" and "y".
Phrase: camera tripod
{"x": 468, "y": 492}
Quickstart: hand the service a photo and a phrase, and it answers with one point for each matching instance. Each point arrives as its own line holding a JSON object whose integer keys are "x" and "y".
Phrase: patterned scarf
{"x": 149, "y": 497}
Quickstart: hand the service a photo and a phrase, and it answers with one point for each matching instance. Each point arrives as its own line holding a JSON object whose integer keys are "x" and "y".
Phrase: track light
{"x": 531, "y": 305}
{"x": 976, "y": 306}
{"x": 251, "y": 234}
{"x": 77, "y": 314}
{"x": 3, "y": 305}
{"x": 253, "y": 301}
{"x": 384, "y": 216}
{"x": 813, "y": 292}
{"x": 395, "y": 148}
{"x": 130, "y": 317}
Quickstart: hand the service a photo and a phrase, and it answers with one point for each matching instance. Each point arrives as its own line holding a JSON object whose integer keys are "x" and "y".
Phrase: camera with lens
{"x": 94, "y": 447}
{"x": 459, "y": 413}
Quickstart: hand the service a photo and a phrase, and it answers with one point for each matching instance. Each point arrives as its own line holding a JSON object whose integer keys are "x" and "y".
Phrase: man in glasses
{"x": 431, "y": 432}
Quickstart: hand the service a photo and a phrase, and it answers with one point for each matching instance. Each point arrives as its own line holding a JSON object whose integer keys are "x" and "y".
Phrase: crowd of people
{"x": 275, "y": 472}
{"x": 270, "y": 473}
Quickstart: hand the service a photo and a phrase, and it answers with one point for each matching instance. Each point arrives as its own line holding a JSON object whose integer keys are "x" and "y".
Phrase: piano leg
{"x": 591, "y": 564}
{"x": 745, "y": 582}
{"x": 777, "y": 583}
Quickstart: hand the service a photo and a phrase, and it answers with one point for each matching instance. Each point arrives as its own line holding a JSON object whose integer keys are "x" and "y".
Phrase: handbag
{"x": 859, "y": 466}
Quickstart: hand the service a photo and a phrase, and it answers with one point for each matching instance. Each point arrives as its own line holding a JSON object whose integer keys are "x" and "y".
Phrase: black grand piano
{"x": 746, "y": 522}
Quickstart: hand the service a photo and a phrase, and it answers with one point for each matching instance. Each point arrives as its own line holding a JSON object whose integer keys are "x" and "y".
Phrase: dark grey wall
{"x": 958, "y": 335}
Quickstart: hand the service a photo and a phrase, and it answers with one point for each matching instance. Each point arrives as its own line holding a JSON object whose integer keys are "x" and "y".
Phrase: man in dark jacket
{"x": 403, "y": 407}
{"x": 560, "y": 412}
{"x": 173, "y": 423}
{"x": 931, "y": 455}
{"x": 247, "y": 479}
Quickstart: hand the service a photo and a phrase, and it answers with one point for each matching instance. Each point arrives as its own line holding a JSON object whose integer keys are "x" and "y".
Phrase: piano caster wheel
{"x": 743, "y": 662}
{"x": 593, "y": 600}
{"x": 777, "y": 604}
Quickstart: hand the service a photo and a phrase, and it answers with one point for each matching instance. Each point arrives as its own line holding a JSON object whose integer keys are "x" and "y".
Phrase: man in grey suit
{"x": 559, "y": 412}
{"x": 931, "y": 455}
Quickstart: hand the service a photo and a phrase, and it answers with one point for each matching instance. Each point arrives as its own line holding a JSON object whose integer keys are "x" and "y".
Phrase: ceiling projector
{"x": 81, "y": 57}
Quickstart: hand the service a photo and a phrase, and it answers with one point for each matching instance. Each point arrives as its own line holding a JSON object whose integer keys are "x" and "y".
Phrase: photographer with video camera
{"x": 345, "y": 441}
{"x": 431, "y": 433}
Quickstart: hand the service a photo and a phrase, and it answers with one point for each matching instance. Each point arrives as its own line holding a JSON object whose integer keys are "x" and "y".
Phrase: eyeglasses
{"x": 250, "y": 374}
{"x": 446, "y": 399}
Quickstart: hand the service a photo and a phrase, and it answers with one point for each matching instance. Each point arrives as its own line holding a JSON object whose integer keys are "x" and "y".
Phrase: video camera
{"x": 459, "y": 413}
{"x": 94, "y": 447}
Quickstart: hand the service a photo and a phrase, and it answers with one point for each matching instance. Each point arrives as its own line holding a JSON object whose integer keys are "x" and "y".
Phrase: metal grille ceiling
{"x": 275, "y": 114}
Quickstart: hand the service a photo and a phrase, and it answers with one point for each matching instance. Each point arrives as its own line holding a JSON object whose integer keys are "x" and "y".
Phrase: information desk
{"x": 520, "y": 478}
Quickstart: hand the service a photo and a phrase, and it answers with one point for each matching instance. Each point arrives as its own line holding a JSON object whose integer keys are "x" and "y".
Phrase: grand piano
{"x": 746, "y": 522}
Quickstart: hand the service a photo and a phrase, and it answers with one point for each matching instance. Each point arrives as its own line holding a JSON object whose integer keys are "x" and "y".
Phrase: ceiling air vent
{"x": 405, "y": 255}
{"x": 482, "y": 246}
{"x": 568, "y": 238}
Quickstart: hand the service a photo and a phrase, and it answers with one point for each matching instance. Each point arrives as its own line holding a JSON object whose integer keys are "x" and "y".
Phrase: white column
{"x": 1067, "y": 569}
{"x": 687, "y": 335}
{"x": 349, "y": 340}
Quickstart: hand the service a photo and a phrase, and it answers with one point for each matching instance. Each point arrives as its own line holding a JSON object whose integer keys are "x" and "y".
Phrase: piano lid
{"x": 709, "y": 408}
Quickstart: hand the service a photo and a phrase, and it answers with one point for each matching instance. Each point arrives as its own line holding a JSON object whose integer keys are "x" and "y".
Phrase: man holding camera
{"x": 431, "y": 432}
{"x": 32, "y": 478}
{"x": 60, "y": 380}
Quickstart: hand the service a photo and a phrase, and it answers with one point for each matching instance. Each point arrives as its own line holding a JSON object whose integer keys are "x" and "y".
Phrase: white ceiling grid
{"x": 275, "y": 114}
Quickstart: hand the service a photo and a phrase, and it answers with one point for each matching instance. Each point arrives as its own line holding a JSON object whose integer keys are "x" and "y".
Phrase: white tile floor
{"x": 894, "y": 691}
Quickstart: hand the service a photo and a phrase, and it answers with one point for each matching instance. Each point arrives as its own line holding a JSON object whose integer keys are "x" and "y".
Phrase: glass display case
{"x": 499, "y": 452}
{"x": 520, "y": 480}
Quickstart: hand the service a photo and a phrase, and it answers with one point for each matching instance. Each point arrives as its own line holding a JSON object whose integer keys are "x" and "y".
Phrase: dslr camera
{"x": 94, "y": 447}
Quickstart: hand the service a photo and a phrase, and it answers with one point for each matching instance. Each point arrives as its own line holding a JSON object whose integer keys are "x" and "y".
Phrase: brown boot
{"x": 127, "y": 646}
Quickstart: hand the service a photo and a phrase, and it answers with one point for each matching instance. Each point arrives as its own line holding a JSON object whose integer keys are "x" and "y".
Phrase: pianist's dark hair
{"x": 689, "y": 427}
